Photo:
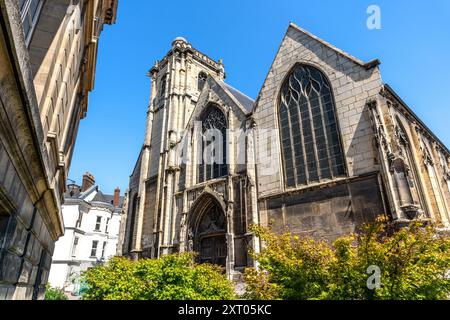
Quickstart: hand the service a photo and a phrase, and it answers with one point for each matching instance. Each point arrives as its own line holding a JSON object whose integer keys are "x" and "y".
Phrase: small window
{"x": 98, "y": 223}
{"x": 103, "y": 250}
{"x": 94, "y": 249}
{"x": 29, "y": 10}
{"x": 75, "y": 245}
{"x": 107, "y": 225}
{"x": 201, "y": 80}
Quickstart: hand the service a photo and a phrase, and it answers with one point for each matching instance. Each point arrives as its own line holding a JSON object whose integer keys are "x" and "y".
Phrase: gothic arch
{"x": 310, "y": 142}
{"x": 404, "y": 169}
{"x": 213, "y": 118}
{"x": 207, "y": 228}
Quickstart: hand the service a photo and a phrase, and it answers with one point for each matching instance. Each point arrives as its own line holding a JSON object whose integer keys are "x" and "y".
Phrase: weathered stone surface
{"x": 32, "y": 173}
{"x": 389, "y": 168}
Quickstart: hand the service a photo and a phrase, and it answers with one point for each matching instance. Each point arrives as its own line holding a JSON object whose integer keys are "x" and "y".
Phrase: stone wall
{"x": 325, "y": 213}
{"x": 29, "y": 214}
{"x": 36, "y": 139}
{"x": 353, "y": 83}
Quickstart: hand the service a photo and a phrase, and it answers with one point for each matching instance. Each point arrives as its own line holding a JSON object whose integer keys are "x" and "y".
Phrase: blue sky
{"x": 413, "y": 46}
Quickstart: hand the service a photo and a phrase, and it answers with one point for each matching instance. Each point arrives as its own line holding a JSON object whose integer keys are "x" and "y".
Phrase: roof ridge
{"x": 231, "y": 96}
{"x": 367, "y": 65}
{"x": 229, "y": 85}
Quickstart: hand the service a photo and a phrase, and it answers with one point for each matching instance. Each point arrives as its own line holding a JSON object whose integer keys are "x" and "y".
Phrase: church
{"x": 325, "y": 147}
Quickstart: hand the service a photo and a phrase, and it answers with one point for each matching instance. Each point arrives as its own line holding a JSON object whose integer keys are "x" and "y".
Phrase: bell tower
{"x": 176, "y": 83}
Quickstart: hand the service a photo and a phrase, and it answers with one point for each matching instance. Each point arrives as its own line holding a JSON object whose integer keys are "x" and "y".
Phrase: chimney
{"x": 116, "y": 197}
{"x": 88, "y": 181}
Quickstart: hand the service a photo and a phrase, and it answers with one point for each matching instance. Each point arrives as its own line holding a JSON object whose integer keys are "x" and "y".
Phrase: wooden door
{"x": 213, "y": 249}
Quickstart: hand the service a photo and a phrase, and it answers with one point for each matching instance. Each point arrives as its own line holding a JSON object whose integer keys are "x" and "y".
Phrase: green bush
{"x": 54, "y": 294}
{"x": 171, "y": 277}
{"x": 414, "y": 263}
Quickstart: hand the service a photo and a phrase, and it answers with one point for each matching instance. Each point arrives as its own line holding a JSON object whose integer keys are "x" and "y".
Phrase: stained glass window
{"x": 309, "y": 136}
{"x": 212, "y": 162}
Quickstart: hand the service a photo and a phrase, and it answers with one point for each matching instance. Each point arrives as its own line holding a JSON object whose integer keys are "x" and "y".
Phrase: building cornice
{"x": 389, "y": 93}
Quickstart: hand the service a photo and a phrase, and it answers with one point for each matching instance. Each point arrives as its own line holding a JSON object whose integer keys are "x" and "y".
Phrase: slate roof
{"x": 99, "y": 196}
{"x": 243, "y": 99}
{"x": 106, "y": 198}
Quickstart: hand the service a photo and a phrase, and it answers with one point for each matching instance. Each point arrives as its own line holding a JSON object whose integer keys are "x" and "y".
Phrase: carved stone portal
{"x": 207, "y": 232}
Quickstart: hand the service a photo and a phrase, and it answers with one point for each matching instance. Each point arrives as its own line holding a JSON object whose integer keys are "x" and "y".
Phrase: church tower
{"x": 176, "y": 82}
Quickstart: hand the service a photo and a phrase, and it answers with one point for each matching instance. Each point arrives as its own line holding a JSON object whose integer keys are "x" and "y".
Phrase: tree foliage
{"x": 54, "y": 294}
{"x": 171, "y": 277}
{"x": 413, "y": 262}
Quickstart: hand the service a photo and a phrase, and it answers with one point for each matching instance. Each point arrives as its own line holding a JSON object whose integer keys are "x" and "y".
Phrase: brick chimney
{"x": 88, "y": 181}
{"x": 116, "y": 197}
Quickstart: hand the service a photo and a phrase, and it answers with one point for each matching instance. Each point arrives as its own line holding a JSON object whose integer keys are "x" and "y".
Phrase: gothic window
{"x": 163, "y": 87}
{"x": 182, "y": 176}
{"x": 212, "y": 155}
{"x": 201, "y": 80}
{"x": 310, "y": 141}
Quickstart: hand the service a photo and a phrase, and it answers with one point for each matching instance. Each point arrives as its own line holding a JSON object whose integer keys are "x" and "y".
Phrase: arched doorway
{"x": 208, "y": 231}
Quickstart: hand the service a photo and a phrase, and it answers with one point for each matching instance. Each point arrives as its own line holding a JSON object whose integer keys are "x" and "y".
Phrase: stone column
{"x": 379, "y": 110}
{"x": 251, "y": 177}
{"x": 144, "y": 168}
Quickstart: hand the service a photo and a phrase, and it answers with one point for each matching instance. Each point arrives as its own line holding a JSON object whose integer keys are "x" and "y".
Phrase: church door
{"x": 213, "y": 249}
{"x": 210, "y": 240}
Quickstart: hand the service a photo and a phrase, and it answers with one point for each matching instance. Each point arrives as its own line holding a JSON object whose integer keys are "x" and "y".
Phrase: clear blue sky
{"x": 413, "y": 46}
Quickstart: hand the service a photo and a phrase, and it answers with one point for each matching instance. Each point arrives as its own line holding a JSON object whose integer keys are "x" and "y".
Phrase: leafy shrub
{"x": 171, "y": 277}
{"x": 413, "y": 264}
{"x": 54, "y": 294}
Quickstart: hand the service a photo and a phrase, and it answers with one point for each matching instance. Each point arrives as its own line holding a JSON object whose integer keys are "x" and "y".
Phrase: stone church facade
{"x": 326, "y": 147}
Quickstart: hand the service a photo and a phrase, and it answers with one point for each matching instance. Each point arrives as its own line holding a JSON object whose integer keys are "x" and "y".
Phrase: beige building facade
{"x": 48, "y": 53}
{"x": 326, "y": 147}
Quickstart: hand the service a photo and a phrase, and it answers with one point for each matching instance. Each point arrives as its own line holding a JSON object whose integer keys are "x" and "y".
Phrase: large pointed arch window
{"x": 212, "y": 154}
{"x": 310, "y": 140}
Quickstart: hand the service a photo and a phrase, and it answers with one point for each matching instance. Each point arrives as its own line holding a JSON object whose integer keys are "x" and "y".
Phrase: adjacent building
{"x": 48, "y": 54}
{"x": 325, "y": 147}
{"x": 91, "y": 224}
